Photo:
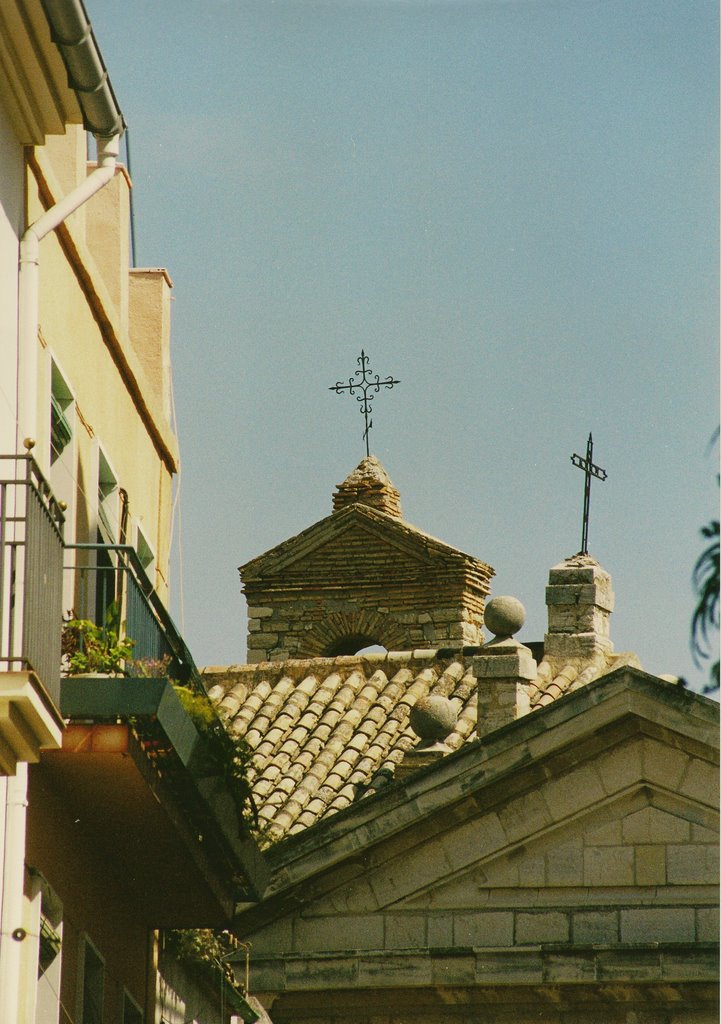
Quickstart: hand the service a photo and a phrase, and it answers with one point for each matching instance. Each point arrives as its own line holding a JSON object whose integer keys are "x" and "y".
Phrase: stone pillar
{"x": 504, "y": 668}
{"x": 580, "y": 600}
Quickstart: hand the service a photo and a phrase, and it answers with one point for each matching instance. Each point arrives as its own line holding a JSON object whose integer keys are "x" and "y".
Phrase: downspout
{"x": 28, "y": 294}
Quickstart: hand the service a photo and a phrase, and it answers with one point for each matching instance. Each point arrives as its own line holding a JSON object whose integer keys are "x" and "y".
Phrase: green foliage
{"x": 224, "y": 757}
{"x": 202, "y": 946}
{"x": 705, "y": 578}
{"x": 149, "y": 668}
{"x": 706, "y": 614}
{"x": 87, "y": 647}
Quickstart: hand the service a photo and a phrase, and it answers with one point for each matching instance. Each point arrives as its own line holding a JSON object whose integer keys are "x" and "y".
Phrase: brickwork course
{"x": 553, "y": 858}
{"x": 362, "y": 576}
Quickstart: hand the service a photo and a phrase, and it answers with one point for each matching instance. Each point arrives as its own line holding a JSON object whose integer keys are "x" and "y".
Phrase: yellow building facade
{"x": 99, "y": 846}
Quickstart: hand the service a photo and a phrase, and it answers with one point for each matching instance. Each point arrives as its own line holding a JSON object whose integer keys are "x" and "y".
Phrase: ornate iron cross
{"x": 364, "y": 390}
{"x": 590, "y": 470}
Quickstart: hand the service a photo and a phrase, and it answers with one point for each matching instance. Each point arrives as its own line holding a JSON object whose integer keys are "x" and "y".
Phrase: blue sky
{"x": 511, "y": 206}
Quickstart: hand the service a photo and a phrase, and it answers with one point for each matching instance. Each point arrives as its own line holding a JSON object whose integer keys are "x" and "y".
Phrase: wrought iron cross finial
{"x": 364, "y": 390}
{"x": 590, "y": 470}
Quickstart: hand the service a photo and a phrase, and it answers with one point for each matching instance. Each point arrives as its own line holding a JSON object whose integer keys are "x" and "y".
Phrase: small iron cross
{"x": 364, "y": 390}
{"x": 590, "y": 470}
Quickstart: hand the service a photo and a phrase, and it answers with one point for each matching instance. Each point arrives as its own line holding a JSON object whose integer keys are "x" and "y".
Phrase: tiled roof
{"x": 326, "y": 730}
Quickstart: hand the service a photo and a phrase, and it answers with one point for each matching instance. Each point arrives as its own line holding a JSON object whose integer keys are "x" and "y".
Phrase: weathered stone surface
{"x": 658, "y": 924}
{"x": 363, "y": 576}
{"x": 544, "y": 926}
{"x": 505, "y": 616}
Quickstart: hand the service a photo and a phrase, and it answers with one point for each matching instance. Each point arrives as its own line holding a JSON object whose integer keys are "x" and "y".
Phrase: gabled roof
{"x": 523, "y": 839}
{"x": 414, "y": 542}
{"x": 325, "y": 731}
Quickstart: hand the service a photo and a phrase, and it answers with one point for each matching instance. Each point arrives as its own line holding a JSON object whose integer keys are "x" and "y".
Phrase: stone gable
{"x": 359, "y": 577}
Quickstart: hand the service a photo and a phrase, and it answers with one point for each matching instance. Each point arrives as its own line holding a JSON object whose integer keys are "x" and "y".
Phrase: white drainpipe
{"x": 28, "y": 311}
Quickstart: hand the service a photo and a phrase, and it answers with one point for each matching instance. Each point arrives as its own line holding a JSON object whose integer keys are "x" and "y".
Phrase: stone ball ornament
{"x": 433, "y": 717}
{"x": 504, "y": 616}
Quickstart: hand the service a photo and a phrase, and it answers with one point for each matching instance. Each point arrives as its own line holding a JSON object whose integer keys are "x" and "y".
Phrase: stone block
{"x": 617, "y": 965}
{"x": 440, "y": 930}
{"x": 700, "y": 834}
{"x": 453, "y": 969}
{"x": 259, "y": 613}
{"x": 608, "y": 865}
{"x": 701, "y": 782}
{"x": 405, "y": 931}
{"x": 532, "y": 871}
{"x": 485, "y": 928}
{"x": 579, "y": 645}
{"x": 621, "y": 765}
{"x": 387, "y": 970}
{"x": 564, "y": 864}
{"x": 314, "y": 971}
{"x": 541, "y": 926}
{"x": 276, "y": 938}
{"x": 333, "y": 934}
{"x": 652, "y": 825}
{"x": 663, "y": 764}
{"x": 650, "y": 865}
{"x": 658, "y": 924}
{"x": 511, "y": 665}
{"x": 579, "y": 596}
{"x": 498, "y": 967}
{"x": 562, "y": 968}
{"x": 410, "y": 873}
{"x": 472, "y": 840}
{"x": 265, "y": 639}
{"x": 606, "y": 834}
{"x": 573, "y": 792}
{"x": 707, "y": 924}
{"x": 524, "y": 815}
{"x": 692, "y": 865}
{"x": 599, "y": 927}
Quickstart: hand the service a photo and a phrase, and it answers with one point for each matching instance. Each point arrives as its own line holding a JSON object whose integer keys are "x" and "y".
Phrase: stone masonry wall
{"x": 285, "y": 625}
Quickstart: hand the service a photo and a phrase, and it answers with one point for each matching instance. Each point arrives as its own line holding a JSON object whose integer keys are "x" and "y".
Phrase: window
{"x": 61, "y": 415}
{"x": 92, "y": 983}
{"x": 107, "y": 501}
{"x": 50, "y": 952}
{"x": 145, "y": 554}
{"x": 132, "y": 1014}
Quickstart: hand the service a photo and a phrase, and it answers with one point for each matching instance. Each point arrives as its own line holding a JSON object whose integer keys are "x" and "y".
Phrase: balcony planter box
{"x": 111, "y": 700}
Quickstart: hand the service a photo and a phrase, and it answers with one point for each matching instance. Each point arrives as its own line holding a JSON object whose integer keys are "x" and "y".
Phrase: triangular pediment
{"x": 372, "y": 530}
{"x": 553, "y": 827}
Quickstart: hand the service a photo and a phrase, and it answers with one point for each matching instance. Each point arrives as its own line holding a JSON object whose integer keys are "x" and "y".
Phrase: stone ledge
{"x": 630, "y": 971}
{"x": 29, "y": 722}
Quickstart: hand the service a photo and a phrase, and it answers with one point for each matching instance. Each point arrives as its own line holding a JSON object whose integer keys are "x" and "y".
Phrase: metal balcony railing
{"x": 31, "y": 572}
{"x": 108, "y": 575}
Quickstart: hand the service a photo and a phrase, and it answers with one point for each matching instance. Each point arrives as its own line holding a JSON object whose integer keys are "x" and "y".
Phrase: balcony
{"x": 31, "y": 579}
{"x": 104, "y": 576}
{"x": 170, "y": 826}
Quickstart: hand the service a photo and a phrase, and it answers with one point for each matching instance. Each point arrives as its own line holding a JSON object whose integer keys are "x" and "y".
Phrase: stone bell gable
{"x": 362, "y": 576}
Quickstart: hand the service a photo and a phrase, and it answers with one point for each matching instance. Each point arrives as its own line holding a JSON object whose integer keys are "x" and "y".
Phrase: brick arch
{"x": 361, "y": 626}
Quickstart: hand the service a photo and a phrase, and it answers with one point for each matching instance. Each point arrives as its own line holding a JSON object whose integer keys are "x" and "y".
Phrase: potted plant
{"x": 149, "y": 668}
{"x": 89, "y": 649}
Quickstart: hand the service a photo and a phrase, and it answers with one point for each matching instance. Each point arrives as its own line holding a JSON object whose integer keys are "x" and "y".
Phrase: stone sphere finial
{"x": 433, "y": 718}
{"x": 504, "y": 616}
